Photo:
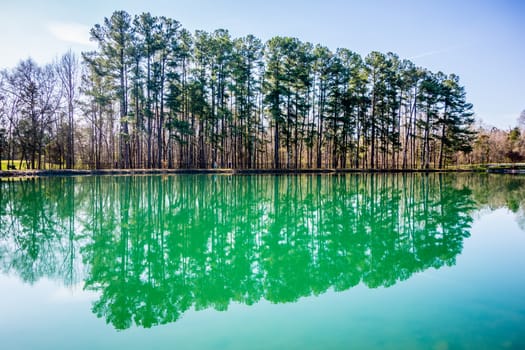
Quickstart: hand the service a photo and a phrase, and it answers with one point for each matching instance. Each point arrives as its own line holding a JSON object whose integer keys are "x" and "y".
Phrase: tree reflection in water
{"x": 156, "y": 246}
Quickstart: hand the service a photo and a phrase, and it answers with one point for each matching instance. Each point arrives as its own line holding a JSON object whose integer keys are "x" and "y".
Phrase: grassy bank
{"x": 23, "y": 166}
{"x": 53, "y": 170}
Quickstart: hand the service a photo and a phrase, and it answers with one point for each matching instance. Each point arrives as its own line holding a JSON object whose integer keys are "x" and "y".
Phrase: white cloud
{"x": 70, "y": 32}
{"x": 429, "y": 53}
{"x": 436, "y": 52}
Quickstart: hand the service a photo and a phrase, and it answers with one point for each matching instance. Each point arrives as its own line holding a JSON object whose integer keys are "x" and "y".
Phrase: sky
{"x": 481, "y": 41}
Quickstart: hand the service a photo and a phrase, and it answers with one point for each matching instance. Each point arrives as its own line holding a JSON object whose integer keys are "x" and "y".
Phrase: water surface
{"x": 236, "y": 262}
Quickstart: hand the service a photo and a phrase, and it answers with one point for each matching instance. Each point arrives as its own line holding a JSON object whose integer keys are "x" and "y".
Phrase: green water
{"x": 406, "y": 261}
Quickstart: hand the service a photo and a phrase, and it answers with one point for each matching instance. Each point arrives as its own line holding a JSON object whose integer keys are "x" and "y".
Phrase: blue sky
{"x": 481, "y": 41}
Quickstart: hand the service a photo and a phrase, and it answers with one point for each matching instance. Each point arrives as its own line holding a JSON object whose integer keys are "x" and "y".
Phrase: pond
{"x": 384, "y": 261}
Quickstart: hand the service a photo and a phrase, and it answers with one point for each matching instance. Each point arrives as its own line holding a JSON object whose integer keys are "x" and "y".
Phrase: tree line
{"x": 493, "y": 145}
{"x": 154, "y": 95}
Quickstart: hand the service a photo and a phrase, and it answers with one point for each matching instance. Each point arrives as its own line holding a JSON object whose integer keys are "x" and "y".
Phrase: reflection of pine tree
{"x": 156, "y": 246}
{"x": 37, "y": 231}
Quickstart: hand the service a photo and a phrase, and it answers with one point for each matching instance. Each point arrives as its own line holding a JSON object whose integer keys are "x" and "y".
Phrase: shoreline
{"x": 75, "y": 172}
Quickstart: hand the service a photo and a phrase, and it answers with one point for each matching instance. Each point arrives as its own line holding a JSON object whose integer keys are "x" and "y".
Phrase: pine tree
{"x": 115, "y": 39}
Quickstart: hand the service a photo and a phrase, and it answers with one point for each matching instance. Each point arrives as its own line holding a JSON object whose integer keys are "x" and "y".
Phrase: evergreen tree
{"x": 115, "y": 39}
{"x": 455, "y": 121}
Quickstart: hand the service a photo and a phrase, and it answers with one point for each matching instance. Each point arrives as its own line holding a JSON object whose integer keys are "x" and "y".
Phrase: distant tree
{"x": 514, "y": 135}
{"x": 514, "y": 156}
{"x": 3, "y": 122}
{"x": 35, "y": 99}
{"x": 3, "y": 144}
{"x": 521, "y": 119}
{"x": 68, "y": 72}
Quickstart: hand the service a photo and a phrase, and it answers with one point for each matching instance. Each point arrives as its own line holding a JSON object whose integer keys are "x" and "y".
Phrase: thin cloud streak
{"x": 436, "y": 52}
{"x": 70, "y": 32}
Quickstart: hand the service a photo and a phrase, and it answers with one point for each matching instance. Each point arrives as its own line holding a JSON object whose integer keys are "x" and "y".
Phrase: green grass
{"x": 468, "y": 167}
{"x": 23, "y": 166}
{"x": 17, "y": 163}
{"x": 484, "y": 167}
